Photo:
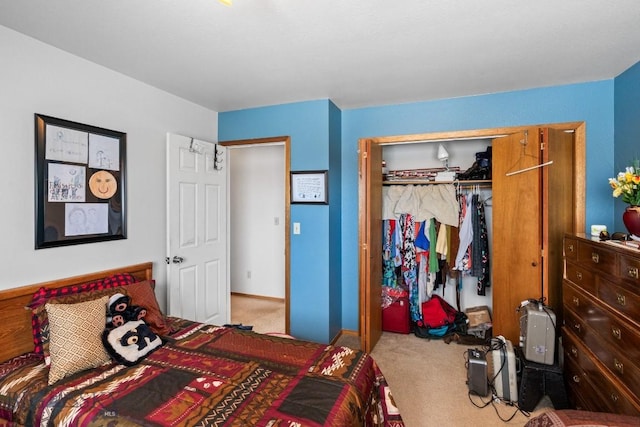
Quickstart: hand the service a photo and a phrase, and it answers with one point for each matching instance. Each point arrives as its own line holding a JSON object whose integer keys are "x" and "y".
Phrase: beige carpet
{"x": 428, "y": 381}
{"x": 427, "y": 378}
{"x": 265, "y": 315}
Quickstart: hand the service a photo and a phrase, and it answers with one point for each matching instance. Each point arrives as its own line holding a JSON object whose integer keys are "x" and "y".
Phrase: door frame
{"x": 368, "y": 331}
{"x": 286, "y": 140}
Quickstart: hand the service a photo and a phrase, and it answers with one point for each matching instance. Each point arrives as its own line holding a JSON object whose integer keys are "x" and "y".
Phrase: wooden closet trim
{"x": 368, "y": 331}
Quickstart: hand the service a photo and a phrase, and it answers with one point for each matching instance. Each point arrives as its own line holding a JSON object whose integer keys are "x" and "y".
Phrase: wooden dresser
{"x": 601, "y": 327}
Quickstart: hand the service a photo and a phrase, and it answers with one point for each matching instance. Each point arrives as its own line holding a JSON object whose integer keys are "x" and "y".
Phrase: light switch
{"x": 296, "y": 228}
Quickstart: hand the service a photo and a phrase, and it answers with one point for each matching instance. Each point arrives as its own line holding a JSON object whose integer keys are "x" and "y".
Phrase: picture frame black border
{"x": 41, "y": 183}
{"x": 300, "y": 174}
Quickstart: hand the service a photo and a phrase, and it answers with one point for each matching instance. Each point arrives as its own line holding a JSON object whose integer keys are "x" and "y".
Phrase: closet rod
{"x": 466, "y": 183}
{"x": 473, "y": 183}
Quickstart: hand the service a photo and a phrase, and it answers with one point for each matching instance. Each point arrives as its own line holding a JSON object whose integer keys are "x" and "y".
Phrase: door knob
{"x": 177, "y": 260}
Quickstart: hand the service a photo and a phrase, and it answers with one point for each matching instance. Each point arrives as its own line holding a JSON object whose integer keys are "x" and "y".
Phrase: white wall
{"x": 38, "y": 78}
{"x": 256, "y": 186}
{"x": 422, "y": 155}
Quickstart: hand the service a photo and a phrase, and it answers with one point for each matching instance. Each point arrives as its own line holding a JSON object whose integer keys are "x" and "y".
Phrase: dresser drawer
{"x": 570, "y": 248}
{"x": 629, "y": 268}
{"x": 623, "y": 337}
{"x": 575, "y": 351}
{"x": 620, "y": 297}
{"x": 581, "y": 393}
{"x": 575, "y": 324}
{"x": 601, "y": 324}
{"x": 579, "y": 372}
{"x": 576, "y": 300}
{"x": 597, "y": 257}
{"x": 585, "y": 375}
{"x": 620, "y": 365}
{"x": 580, "y": 276}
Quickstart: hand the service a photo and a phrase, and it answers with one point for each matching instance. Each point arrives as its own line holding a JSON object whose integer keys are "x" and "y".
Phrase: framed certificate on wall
{"x": 310, "y": 187}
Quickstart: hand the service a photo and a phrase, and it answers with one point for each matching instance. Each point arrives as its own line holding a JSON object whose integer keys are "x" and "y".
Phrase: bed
{"x": 198, "y": 374}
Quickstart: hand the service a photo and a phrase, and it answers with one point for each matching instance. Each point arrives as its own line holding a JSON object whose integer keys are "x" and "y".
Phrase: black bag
{"x": 481, "y": 168}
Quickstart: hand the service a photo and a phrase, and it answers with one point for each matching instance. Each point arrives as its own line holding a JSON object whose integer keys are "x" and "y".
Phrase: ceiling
{"x": 357, "y": 53}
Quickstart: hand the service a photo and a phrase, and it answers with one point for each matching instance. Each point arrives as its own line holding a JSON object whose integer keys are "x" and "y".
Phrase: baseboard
{"x": 262, "y": 297}
{"x": 344, "y": 332}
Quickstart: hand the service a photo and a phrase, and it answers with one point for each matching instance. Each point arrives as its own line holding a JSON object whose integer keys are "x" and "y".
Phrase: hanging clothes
{"x": 388, "y": 264}
{"x": 466, "y": 237}
{"x": 442, "y": 248}
{"x": 476, "y": 250}
{"x": 442, "y": 242}
{"x": 409, "y": 271}
{"x": 397, "y": 245}
{"x": 390, "y": 196}
{"x": 434, "y": 267}
{"x": 422, "y": 240}
{"x": 480, "y": 262}
{"x": 422, "y": 201}
{"x": 420, "y": 250}
{"x": 422, "y": 258}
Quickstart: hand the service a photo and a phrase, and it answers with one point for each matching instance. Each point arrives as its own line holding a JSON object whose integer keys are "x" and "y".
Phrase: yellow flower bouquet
{"x": 627, "y": 185}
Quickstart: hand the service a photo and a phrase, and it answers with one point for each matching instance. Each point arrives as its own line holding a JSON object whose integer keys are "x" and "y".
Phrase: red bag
{"x": 437, "y": 312}
{"x": 395, "y": 318}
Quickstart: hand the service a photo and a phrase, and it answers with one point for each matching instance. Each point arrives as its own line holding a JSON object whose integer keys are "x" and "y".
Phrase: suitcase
{"x": 477, "y": 373}
{"x": 395, "y": 318}
{"x": 538, "y": 333}
{"x": 502, "y": 369}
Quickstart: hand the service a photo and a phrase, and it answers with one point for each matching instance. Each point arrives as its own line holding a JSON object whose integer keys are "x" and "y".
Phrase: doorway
{"x": 258, "y": 200}
{"x": 370, "y": 212}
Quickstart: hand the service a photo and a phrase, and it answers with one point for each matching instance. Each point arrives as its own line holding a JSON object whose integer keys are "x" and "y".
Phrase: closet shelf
{"x": 480, "y": 182}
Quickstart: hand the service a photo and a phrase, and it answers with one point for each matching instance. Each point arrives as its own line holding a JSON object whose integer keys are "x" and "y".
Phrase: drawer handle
{"x": 618, "y": 365}
{"x": 576, "y": 301}
{"x": 632, "y": 272}
{"x": 616, "y": 332}
{"x": 621, "y": 299}
{"x": 570, "y": 248}
{"x": 574, "y": 352}
{"x": 577, "y": 327}
{"x": 576, "y": 379}
{"x": 595, "y": 257}
{"x": 614, "y": 397}
{"x": 579, "y": 275}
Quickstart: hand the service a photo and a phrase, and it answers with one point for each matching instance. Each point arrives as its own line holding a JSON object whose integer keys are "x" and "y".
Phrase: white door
{"x": 198, "y": 287}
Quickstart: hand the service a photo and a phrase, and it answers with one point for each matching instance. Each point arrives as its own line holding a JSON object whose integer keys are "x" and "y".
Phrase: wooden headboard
{"x": 15, "y": 319}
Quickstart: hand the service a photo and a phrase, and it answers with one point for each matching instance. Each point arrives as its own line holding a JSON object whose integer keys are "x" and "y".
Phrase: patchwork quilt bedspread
{"x": 207, "y": 376}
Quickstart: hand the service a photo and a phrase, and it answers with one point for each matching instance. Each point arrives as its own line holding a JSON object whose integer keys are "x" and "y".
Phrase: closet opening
{"x": 412, "y": 162}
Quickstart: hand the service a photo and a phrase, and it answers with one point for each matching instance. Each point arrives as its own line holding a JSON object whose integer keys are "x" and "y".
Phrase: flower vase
{"x": 631, "y": 219}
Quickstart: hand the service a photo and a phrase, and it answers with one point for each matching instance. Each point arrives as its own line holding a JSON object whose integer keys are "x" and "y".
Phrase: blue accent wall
{"x": 324, "y": 258}
{"x": 335, "y": 220}
{"x": 314, "y": 264}
{"x": 627, "y": 129}
{"x": 590, "y": 102}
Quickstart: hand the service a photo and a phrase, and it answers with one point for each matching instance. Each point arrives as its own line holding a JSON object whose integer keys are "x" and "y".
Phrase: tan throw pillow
{"x": 75, "y": 340}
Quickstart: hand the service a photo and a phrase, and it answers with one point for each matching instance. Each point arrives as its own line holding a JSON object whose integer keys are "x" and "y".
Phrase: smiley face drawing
{"x": 103, "y": 185}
